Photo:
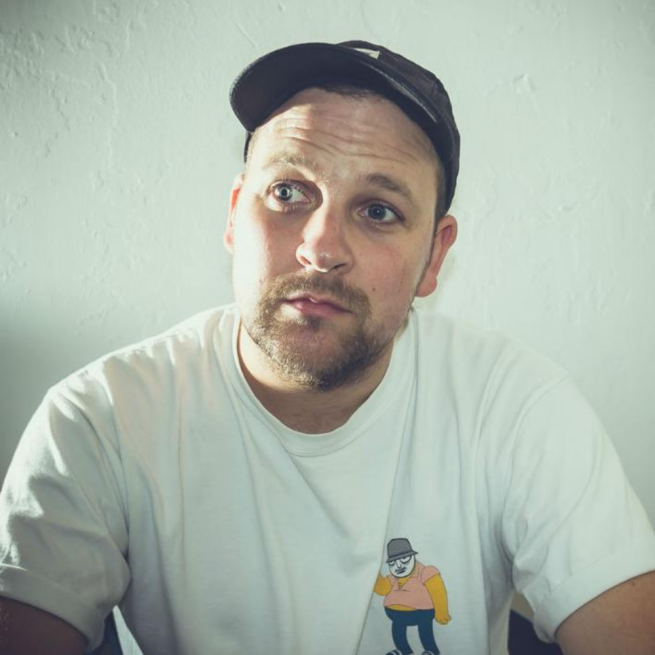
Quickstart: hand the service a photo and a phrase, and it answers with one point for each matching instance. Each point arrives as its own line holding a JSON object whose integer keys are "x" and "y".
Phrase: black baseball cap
{"x": 272, "y": 79}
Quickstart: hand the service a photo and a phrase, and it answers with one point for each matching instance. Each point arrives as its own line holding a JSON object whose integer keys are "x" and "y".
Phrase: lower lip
{"x": 318, "y": 309}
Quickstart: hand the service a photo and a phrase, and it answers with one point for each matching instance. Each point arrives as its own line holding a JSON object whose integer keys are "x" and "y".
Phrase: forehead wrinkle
{"x": 352, "y": 143}
{"x": 294, "y": 159}
{"x": 350, "y": 131}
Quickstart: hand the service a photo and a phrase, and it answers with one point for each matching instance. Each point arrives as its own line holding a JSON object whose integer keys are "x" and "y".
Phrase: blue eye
{"x": 288, "y": 193}
{"x": 381, "y": 213}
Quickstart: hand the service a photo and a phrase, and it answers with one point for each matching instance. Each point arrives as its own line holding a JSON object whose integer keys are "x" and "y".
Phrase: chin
{"x": 317, "y": 362}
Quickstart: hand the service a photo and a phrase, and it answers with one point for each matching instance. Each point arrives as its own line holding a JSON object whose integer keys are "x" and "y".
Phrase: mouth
{"x": 316, "y": 299}
{"x": 315, "y": 305}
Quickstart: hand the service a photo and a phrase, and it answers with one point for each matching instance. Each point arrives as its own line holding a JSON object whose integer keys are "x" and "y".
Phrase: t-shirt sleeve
{"x": 429, "y": 572}
{"x": 63, "y": 528}
{"x": 571, "y": 523}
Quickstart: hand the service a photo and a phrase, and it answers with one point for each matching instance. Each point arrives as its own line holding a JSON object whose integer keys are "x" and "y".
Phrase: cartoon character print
{"x": 414, "y": 595}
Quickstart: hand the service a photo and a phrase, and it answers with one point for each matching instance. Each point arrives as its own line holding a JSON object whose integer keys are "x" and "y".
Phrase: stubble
{"x": 310, "y": 351}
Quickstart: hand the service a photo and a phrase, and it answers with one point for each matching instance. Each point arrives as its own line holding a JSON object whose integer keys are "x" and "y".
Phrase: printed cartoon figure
{"x": 414, "y": 594}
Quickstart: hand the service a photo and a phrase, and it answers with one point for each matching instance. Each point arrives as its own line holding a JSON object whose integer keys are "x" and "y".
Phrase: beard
{"x": 307, "y": 350}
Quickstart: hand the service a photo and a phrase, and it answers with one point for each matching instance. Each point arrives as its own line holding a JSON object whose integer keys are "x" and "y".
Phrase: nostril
{"x": 322, "y": 261}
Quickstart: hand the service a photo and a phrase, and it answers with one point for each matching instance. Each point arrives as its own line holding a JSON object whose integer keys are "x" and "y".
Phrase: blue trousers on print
{"x": 400, "y": 622}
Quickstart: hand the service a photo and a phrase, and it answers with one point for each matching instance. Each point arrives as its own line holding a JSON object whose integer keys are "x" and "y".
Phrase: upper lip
{"x": 317, "y": 299}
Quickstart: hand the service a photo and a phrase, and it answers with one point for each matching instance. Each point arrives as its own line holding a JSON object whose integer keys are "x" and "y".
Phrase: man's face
{"x": 331, "y": 230}
{"x": 403, "y": 566}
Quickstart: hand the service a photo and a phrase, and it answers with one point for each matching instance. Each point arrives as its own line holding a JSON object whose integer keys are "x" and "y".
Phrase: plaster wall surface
{"x": 118, "y": 147}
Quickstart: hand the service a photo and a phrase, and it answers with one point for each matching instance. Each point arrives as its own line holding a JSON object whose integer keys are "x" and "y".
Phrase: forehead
{"x": 344, "y": 128}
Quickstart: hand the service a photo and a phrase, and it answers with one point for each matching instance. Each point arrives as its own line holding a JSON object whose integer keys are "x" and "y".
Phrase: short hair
{"x": 360, "y": 92}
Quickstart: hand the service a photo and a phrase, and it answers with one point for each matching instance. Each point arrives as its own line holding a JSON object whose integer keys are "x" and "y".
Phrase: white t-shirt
{"x": 154, "y": 480}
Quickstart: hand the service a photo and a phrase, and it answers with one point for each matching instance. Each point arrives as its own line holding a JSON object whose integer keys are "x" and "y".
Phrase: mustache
{"x": 347, "y": 295}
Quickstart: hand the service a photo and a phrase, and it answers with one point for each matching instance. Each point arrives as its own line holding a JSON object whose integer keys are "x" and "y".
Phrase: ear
{"x": 228, "y": 236}
{"x": 443, "y": 240}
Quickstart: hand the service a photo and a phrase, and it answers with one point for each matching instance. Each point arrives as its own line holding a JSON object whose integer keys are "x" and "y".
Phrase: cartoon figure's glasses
{"x": 402, "y": 560}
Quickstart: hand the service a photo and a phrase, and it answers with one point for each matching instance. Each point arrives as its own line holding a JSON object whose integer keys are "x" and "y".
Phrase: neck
{"x": 299, "y": 408}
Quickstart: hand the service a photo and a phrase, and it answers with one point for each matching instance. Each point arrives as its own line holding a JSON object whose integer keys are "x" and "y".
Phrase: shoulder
{"x": 463, "y": 343}
{"x": 151, "y": 362}
{"x": 194, "y": 334}
{"x": 478, "y": 370}
{"x": 142, "y": 388}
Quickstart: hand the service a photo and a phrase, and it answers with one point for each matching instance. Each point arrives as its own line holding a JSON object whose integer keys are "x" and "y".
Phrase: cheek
{"x": 393, "y": 281}
{"x": 258, "y": 251}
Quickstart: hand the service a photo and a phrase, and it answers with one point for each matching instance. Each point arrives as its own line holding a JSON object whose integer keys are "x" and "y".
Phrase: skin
{"x": 26, "y": 629}
{"x": 358, "y": 222}
{"x": 621, "y": 620}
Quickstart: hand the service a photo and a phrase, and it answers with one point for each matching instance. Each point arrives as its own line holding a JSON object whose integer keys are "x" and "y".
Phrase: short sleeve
{"x": 571, "y": 525}
{"x": 63, "y": 529}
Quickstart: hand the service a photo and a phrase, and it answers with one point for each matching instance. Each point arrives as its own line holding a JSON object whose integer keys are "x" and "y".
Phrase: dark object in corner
{"x": 523, "y": 639}
{"x": 110, "y": 643}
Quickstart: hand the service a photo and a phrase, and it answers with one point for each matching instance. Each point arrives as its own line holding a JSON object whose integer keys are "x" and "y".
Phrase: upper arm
{"x": 26, "y": 629}
{"x": 62, "y": 525}
{"x": 621, "y": 620}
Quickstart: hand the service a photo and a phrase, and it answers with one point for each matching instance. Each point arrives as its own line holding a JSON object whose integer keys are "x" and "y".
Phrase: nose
{"x": 324, "y": 246}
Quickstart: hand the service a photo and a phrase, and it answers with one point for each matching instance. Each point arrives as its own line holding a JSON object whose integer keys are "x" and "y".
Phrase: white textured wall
{"x": 117, "y": 149}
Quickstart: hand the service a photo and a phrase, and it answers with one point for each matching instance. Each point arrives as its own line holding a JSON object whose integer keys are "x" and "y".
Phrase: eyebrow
{"x": 380, "y": 180}
{"x": 390, "y": 184}
{"x": 291, "y": 159}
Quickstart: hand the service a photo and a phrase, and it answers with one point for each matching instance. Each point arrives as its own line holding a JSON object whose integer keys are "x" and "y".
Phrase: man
{"x": 231, "y": 484}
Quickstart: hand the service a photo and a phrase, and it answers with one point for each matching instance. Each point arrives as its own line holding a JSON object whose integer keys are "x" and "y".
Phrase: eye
{"x": 379, "y": 213}
{"x": 405, "y": 560}
{"x": 288, "y": 193}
